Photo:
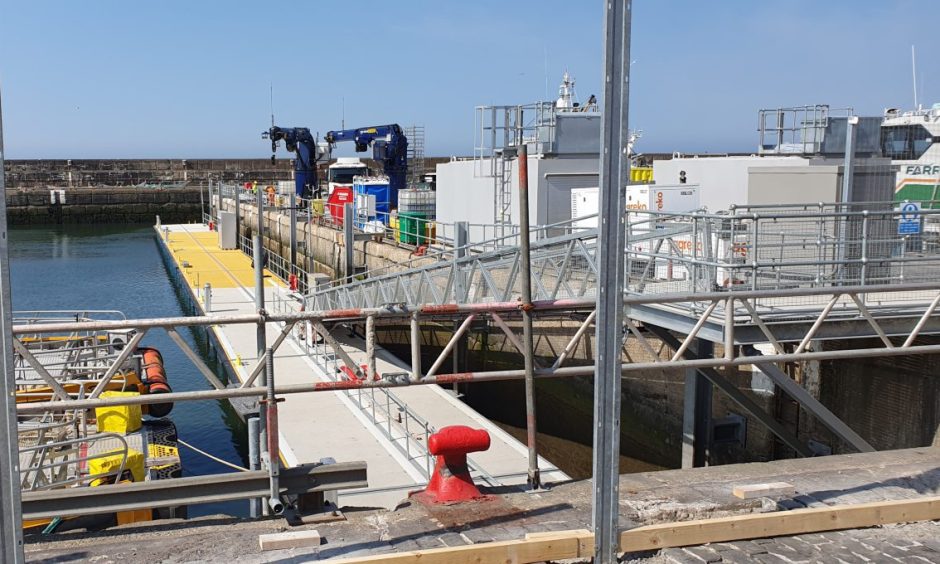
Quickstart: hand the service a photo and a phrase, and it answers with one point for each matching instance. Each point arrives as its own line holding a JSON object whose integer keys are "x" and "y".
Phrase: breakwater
{"x": 62, "y": 191}
{"x": 104, "y": 205}
{"x": 87, "y": 173}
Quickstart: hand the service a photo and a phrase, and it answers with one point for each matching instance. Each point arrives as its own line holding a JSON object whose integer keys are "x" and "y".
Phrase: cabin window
{"x": 346, "y": 175}
{"x": 905, "y": 142}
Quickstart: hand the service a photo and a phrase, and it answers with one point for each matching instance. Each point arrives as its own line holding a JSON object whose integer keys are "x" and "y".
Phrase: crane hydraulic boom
{"x": 299, "y": 140}
{"x": 389, "y": 146}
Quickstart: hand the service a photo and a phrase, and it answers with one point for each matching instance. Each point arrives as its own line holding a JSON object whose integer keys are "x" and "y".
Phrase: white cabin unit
{"x": 465, "y": 195}
{"x": 724, "y": 181}
{"x": 562, "y": 139}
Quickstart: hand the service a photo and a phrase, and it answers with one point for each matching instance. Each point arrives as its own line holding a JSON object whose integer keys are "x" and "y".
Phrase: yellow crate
{"x": 641, "y": 174}
{"x": 111, "y": 462}
{"x": 162, "y": 451}
{"x": 121, "y": 419}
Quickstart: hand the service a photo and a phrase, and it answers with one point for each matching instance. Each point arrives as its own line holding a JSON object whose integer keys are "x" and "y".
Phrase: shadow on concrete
{"x": 922, "y": 483}
{"x": 81, "y": 556}
{"x": 147, "y": 527}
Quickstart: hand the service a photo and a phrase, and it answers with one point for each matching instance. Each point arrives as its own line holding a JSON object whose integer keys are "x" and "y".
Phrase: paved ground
{"x": 647, "y": 498}
{"x": 916, "y": 543}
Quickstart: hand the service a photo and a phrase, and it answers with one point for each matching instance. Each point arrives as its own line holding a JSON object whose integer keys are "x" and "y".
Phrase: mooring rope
{"x": 215, "y": 458}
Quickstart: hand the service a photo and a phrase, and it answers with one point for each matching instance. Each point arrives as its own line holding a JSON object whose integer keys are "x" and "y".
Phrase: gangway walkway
{"x": 337, "y": 425}
{"x": 772, "y": 251}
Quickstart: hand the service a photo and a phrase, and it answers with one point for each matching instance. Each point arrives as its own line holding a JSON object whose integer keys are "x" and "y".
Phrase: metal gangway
{"x": 774, "y": 251}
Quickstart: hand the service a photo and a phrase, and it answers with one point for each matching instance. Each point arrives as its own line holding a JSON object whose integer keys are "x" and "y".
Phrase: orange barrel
{"x": 155, "y": 381}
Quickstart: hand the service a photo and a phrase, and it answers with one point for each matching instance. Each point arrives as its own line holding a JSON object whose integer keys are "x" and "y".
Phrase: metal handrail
{"x": 55, "y": 448}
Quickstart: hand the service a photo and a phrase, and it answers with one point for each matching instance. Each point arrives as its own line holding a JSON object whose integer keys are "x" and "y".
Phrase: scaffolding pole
{"x": 11, "y": 522}
{"x": 614, "y": 175}
{"x": 531, "y": 426}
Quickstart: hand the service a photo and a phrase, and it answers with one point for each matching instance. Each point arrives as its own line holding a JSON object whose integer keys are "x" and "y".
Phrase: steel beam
{"x": 306, "y": 478}
{"x": 195, "y": 359}
{"x": 338, "y": 348}
{"x": 746, "y": 403}
{"x": 614, "y": 176}
{"x": 811, "y": 404}
{"x": 461, "y": 240}
{"x": 11, "y": 523}
{"x": 636, "y": 303}
{"x": 50, "y": 380}
{"x": 256, "y": 371}
{"x": 449, "y": 347}
{"x": 261, "y": 338}
{"x": 466, "y": 378}
{"x": 125, "y": 353}
{"x": 575, "y": 340}
{"x": 511, "y": 336}
{"x": 697, "y": 408}
{"x": 415, "y": 348}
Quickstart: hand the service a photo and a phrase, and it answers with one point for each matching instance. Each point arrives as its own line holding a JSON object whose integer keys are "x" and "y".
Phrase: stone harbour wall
{"x": 103, "y": 205}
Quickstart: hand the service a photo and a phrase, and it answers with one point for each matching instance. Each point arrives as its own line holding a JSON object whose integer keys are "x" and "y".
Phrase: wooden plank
{"x": 780, "y": 523}
{"x": 564, "y": 544}
{"x": 290, "y": 539}
{"x": 750, "y": 491}
{"x": 552, "y": 534}
{"x": 559, "y": 545}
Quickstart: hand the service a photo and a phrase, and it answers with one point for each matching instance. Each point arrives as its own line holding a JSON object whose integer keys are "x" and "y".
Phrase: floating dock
{"x": 386, "y": 430}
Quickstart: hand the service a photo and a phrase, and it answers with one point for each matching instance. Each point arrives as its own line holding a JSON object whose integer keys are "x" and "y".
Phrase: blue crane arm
{"x": 298, "y": 140}
{"x": 389, "y": 146}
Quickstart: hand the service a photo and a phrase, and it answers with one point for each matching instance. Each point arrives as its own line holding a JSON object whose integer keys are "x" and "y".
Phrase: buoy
{"x": 155, "y": 381}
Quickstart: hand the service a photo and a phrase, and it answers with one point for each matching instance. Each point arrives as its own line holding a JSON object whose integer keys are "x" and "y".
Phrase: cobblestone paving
{"x": 917, "y": 543}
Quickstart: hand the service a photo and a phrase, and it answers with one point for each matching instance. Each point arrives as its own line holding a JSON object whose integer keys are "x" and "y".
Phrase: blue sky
{"x": 123, "y": 79}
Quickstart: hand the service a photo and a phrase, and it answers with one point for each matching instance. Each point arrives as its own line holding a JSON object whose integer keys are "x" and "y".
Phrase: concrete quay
{"x": 647, "y": 498}
{"x": 385, "y": 431}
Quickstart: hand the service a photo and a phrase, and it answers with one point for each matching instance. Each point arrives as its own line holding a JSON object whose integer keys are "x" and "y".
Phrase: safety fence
{"x": 404, "y": 428}
{"x": 874, "y": 245}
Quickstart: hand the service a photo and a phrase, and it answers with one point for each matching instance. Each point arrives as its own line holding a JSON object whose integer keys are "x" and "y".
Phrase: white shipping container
{"x": 678, "y": 198}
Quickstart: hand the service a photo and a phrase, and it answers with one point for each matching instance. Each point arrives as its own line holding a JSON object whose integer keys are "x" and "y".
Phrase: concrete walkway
{"x": 386, "y": 431}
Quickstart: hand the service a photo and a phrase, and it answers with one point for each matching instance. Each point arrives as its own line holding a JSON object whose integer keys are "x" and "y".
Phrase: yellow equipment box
{"x": 121, "y": 419}
{"x": 111, "y": 462}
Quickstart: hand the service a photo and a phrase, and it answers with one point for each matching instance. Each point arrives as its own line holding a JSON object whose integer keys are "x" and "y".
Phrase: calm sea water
{"x": 120, "y": 268}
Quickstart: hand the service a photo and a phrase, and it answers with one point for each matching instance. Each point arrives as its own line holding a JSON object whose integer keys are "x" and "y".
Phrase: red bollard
{"x": 451, "y": 481}
{"x": 293, "y": 282}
